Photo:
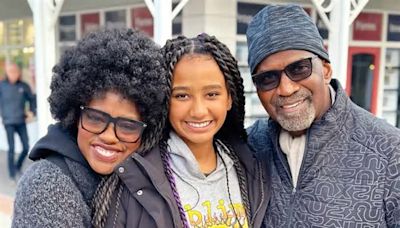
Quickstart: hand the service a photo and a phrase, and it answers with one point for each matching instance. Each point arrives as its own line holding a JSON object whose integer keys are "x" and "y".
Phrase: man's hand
{"x": 29, "y": 117}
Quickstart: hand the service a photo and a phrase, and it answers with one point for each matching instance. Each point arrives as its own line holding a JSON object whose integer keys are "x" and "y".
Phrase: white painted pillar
{"x": 162, "y": 21}
{"x": 45, "y": 14}
{"x": 339, "y": 40}
{"x": 215, "y": 17}
{"x": 163, "y": 16}
{"x": 342, "y": 15}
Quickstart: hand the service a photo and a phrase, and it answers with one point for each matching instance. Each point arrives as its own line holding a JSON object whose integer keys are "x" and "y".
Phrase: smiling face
{"x": 295, "y": 105}
{"x": 199, "y": 101}
{"x": 104, "y": 151}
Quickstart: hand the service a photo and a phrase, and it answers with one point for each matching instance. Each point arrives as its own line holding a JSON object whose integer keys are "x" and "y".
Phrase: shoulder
{"x": 373, "y": 133}
{"x": 258, "y": 127}
{"x": 47, "y": 197}
{"x": 25, "y": 86}
{"x": 364, "y": 124}
{"x": 258, "y": 135}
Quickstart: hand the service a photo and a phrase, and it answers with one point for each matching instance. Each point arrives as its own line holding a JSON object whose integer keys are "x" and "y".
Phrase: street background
{"x": 7, "y": 190}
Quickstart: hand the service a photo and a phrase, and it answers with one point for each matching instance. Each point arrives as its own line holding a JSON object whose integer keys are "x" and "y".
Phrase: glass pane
{"x": 29, "y": 32}
{"x": 142, "y": 20}
{"x": 241, "y": 53}
{"x": 362, "y": 79}
{"x": 391, "y": 92}
{"x": 89, "y": 22}
{"x": 67, "y": 28}
{"x": 177, "y": 21}
{"x": 14, "y": 32}
{"x": 116, "y": 19}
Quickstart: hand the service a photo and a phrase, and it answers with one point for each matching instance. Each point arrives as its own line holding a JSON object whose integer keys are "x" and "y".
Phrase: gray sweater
{"x": 206, "y": 199}
{"x": 48, "y": 196}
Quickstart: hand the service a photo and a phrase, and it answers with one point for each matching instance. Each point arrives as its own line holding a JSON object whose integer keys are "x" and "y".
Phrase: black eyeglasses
{"x": 97, "y": 122}
{"x": 296, "y": 71}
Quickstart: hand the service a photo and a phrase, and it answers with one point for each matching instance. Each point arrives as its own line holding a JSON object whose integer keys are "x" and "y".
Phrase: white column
{"x": 215, "y": 17}
{"x": 342, "y": 15}
{"x": 162, "y": 13}
{"x": 162, "y": 21}
{"x": 339, "y": 40}
{"x": 45, "y": 14}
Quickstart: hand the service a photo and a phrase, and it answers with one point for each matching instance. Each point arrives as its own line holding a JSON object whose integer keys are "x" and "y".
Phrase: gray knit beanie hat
{"x": 282, "y": 27}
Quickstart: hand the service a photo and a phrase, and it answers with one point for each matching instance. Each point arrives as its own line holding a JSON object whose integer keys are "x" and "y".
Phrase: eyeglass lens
{"x": 96, "y": 122}
{"x": 296, "y": 71}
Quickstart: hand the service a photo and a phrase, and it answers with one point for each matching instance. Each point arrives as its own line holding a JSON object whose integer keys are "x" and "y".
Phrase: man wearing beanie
{"x": 332, "y": 163}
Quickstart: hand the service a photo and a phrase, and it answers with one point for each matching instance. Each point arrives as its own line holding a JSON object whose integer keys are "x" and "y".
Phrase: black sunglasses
{"x": 96, "y": 121}
{"x": 296, "y": 71}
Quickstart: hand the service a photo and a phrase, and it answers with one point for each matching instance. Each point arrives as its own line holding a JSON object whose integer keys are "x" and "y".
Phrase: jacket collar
{"x": 323, "y": 130}
{"x": 58, "y": 141}
{"x": 147, "y": 172}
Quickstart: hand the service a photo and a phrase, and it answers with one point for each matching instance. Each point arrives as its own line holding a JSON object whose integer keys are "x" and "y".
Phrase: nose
{"x": 109, "y": 136}
{"x": 198, "y": 108}
{"x": 286, "y": 86}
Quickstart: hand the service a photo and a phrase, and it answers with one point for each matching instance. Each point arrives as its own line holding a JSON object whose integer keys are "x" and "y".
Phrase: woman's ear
{"x": 229, "y": 103}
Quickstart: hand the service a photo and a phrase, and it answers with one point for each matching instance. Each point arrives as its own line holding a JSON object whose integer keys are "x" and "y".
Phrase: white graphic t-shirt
{"x": 205, "y": 198}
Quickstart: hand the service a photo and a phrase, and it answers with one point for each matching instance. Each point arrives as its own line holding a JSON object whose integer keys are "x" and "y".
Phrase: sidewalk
{"x": 7, "y": 191}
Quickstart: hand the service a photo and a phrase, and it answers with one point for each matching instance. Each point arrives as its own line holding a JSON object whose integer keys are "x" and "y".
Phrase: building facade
{"x": 373, "y": 75}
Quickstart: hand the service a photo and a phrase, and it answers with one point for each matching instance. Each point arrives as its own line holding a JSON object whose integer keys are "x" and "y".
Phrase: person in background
{"x": 202, "y": 174}
{"x": 14, "y": 95}
{"x": 333, "y": 164}
{"x": 107, "y": 94}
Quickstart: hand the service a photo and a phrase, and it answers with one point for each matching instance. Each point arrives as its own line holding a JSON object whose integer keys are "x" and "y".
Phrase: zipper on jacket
{"x": 294, "y": 189}
{"x": 292, "y": 198}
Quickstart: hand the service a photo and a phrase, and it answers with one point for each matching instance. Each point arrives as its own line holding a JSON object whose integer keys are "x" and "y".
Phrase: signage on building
{"x": 89, "y": 22}
{"x": 393, "y": 29}
{"x": 368, "y": 26}
{"x": 142, "y": 20}
{"x": 245, "y": 12}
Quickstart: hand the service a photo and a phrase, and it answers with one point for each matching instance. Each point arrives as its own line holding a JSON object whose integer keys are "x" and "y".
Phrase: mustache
{"x": 302, "y": 94}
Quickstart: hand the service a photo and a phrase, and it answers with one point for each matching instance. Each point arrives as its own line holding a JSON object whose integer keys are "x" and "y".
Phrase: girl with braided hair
{"x": 202, "y": 174}
{"x": 109, "y": 95}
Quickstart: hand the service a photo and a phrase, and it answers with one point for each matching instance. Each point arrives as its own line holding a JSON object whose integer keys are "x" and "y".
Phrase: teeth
{"x": 104, "y": 152}
{"x": 199, "y": 125}
{"x": 292, "y": 105}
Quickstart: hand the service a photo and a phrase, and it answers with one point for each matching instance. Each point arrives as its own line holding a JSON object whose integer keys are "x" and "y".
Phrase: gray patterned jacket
{"x": 350, "y": 174}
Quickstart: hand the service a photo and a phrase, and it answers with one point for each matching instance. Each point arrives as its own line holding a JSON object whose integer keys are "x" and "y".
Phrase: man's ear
{"x": 327, "y": 71}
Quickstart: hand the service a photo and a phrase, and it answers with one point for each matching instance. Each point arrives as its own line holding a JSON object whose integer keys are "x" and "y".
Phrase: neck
{"x": 297, "y": 133}
{"x": 206, "y": 156}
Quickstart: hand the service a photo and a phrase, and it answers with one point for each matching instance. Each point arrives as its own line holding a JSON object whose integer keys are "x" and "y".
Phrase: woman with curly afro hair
{"x": 202, "y": 174}
{"x": 109, "y": 97}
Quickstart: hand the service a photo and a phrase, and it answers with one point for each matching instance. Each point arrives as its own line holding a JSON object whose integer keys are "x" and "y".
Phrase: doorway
{"x": 363, "y": 77}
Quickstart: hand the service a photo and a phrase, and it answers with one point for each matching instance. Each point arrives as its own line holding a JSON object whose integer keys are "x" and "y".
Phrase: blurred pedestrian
{"x": 14, "y": 93}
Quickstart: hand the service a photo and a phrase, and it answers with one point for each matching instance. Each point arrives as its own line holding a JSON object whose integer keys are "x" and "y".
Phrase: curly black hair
{"x": 120, "y": 60}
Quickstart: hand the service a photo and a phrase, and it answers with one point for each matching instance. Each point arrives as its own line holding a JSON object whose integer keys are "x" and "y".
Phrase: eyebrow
{"x": 208, "y": 87}
{"x": 123, "y": 117}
